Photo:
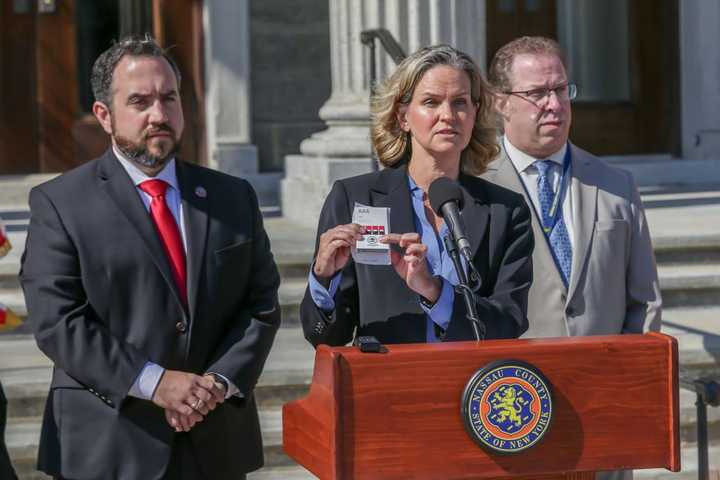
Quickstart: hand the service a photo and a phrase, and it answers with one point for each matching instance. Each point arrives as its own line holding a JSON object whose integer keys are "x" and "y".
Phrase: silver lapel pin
{"x": 200, "y": 192}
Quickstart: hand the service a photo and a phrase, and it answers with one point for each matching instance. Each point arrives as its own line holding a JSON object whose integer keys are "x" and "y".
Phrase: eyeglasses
{"x": 564, "y": 92}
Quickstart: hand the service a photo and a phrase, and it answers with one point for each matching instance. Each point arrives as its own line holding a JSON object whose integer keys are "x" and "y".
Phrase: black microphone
{"x": 446, "y": 200}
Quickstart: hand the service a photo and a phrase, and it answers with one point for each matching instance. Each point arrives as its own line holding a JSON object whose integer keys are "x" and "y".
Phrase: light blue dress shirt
{"x": 439, "y": 265}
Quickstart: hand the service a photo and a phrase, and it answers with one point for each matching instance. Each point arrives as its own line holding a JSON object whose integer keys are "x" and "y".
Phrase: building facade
{"x": 277, "y": 90}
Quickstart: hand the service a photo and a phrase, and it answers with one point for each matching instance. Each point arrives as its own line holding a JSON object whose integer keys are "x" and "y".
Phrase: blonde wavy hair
{"x": 392, "y": 144}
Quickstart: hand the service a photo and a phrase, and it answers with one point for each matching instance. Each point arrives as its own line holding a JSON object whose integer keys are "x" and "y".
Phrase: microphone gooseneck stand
{"x": 463, "y": 287}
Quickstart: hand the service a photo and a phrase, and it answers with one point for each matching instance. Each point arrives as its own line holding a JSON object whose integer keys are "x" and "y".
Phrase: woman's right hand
{"x": 334, "y": 249}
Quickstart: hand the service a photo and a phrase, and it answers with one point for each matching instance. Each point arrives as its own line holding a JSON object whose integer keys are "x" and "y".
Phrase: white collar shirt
{"x": 525, "y": 166}
{"x": 172, "y": 195}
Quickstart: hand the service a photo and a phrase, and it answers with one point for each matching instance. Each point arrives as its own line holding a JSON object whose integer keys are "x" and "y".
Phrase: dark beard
{"x": 138, "y": 152}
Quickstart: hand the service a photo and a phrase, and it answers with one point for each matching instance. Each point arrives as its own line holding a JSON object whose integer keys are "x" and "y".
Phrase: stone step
{"x": 293, "y": 249}
{"x": 681, "y": 285}
{"x": 292, "y": 244}
{"x": 683, "y": 223}
{"x": 689, "y": 469}
{"x": 25, "y": 371}
{"x": 271, "y": 424}
{"x": 690, "y": 285}
{"x": 687, "y": 250}
{"x": 15, "y": 189}
{"x": 288, "y": 370}
{"x": 22, "y": 435}
{"x": 25, "y": 374}
{"x": 698, "y": 333}
{"x": 688, "y": 473}
{"x": 686, "y": 261}
{"x": 295, "y": 472}
{"x": 689, "y": 466}
{"x": 290, "y": 295}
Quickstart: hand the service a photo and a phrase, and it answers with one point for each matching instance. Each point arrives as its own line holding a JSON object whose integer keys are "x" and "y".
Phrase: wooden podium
{"x": 397, "y": 415}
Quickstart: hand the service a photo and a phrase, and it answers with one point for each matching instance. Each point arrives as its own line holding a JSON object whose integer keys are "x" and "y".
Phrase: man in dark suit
{"x": 151, "y": 285}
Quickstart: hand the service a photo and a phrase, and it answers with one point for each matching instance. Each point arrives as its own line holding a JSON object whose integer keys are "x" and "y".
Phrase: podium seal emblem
{"x": 507, "y": 406}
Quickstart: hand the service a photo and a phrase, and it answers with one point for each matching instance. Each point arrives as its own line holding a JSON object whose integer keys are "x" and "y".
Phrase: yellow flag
{"x": 5, "y": 244}
{"x": 8, "y": 319}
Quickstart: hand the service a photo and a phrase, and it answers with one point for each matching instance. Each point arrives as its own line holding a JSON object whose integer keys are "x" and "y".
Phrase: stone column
{"x": 228, "y": 102}
{"x": 344, "y": 149}
{"x": 228, "y": 107}
{"x": 699, "y": 74}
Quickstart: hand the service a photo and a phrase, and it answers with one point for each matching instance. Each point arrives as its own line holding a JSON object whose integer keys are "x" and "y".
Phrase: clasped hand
{"x": 187, "y": 398}
{"x": 409, "y": 262}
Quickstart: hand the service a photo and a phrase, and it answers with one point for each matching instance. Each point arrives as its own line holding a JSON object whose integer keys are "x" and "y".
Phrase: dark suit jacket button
{"x": 181, "y": 327}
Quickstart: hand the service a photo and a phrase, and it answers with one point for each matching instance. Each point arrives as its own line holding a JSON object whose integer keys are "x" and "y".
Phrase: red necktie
{"x": 169, "y": 232}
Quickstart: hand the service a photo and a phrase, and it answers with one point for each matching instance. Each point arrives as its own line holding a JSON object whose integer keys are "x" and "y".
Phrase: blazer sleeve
{"x": 65, "y": 325}
{"x": 504, "y": 310}
{"x": 336, "y": 327}
{"x": 644, "y": 303}
{"x": 242, "y": 354}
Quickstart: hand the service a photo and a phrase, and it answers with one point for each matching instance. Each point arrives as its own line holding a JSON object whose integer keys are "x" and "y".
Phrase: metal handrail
{"x": 389, "y": 44}
{"x": 392, "y": 47}
{"x": 707, "y": 392}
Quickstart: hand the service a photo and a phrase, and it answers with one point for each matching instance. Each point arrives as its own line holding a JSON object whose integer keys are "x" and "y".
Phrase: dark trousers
{"x": 183, "y": 462}
{"x": 6, "y": 469}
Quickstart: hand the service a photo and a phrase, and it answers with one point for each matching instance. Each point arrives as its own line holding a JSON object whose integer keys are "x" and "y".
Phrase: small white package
{"x": 376, "y": 221}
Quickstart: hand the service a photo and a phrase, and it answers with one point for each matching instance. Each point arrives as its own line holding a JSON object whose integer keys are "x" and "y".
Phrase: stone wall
{"x": 290, "y": 75}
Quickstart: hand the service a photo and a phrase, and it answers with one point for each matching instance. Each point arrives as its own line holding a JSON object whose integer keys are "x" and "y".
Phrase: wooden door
{"x": 18, "y": 110}
{"x": 179, "y": 24}
{"x": 68, "y": 134}
{"x": 46, "y": 124}
{"x": 648, "y": 122}
{"x": 647, "y": 119}
{"x": 509, "y": 19}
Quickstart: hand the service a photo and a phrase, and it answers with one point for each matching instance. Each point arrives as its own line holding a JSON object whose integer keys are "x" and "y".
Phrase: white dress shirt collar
{"x": 167, "y": 174}
{"x": 522, "y": 160}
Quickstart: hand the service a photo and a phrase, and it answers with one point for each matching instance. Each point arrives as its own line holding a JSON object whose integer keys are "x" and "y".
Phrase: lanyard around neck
{"x": 553, "y": 214}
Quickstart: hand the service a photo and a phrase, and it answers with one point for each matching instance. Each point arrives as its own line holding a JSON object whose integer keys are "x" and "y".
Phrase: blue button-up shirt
{"x": 439, "y": 265}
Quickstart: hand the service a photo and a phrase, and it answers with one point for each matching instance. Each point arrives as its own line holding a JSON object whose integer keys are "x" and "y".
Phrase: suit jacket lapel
{"x": 122, "y": 192}
{"x": 195, "y": 206}
{"x": 475, "y": 213}
{"x": 502, "y": 172}
{"x": 584, "y": 198}
{"x": 391, "y": 189}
